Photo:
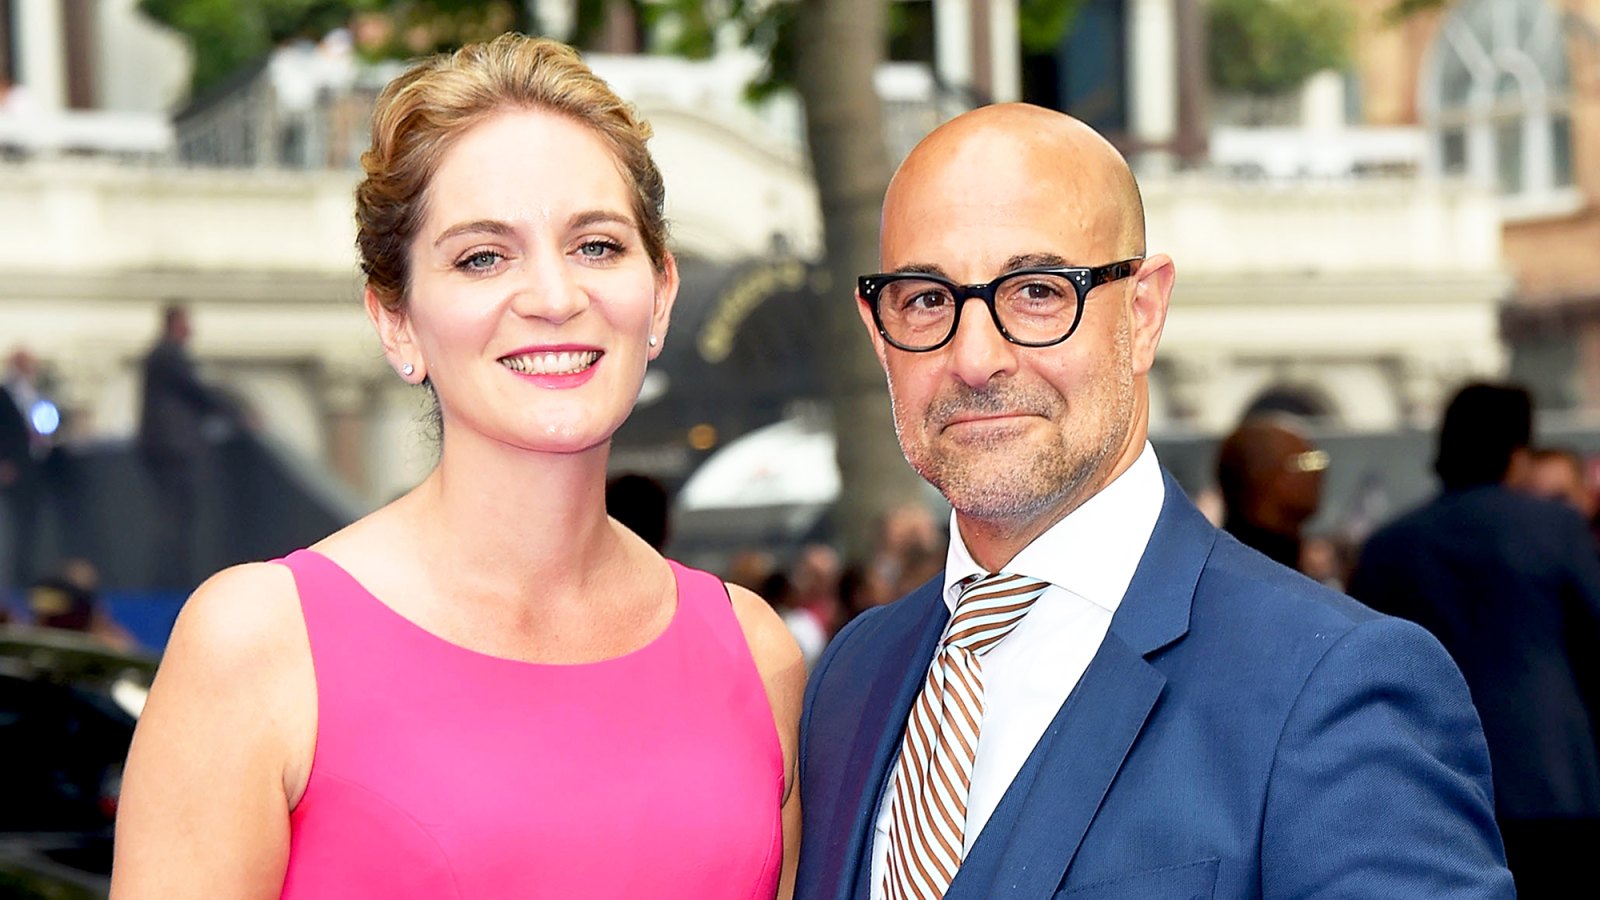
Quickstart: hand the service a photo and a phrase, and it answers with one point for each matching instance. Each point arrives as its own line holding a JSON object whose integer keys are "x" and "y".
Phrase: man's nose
{"x": 978, "y": 351}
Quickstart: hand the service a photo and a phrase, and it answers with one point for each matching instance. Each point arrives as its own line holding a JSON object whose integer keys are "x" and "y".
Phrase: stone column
{"x": 1005, "y": 52}
{"x": 1152, "y": 80}
{"x": 345, "y": 388}
{"x": 952, "y": 43}
{"x": 1193, "y": 121}
{"x": 41, "y": 46}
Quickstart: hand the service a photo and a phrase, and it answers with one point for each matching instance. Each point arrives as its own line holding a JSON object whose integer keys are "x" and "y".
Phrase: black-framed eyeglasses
{"x": 1035, "y": 307}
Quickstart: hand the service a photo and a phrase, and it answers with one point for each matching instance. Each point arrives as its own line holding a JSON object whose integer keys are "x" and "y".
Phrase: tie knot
{"x": 989, "y": 607}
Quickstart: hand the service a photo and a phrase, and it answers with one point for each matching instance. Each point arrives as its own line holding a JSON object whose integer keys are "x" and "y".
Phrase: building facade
{"x": 1306, "y": 280}
{"x": 1508, "y": 94}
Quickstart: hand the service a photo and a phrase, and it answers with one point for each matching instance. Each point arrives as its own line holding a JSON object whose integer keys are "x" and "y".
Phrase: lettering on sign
{"x": 736, "y": 304}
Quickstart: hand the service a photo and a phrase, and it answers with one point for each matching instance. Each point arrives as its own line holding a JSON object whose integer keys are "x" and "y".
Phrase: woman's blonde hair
{"x": 422, "y": 112}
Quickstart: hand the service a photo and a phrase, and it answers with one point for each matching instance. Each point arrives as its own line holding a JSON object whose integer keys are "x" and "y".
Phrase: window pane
{"x": 1507, "y": 89}
{"x": 1455, "y": 82}
{"x": 1508, "y": 155}
{"x": 1453, "y": 151}
{"x": 1561, "y": 150}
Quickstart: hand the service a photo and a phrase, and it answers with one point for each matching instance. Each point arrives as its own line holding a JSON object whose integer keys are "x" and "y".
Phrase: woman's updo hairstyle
{"x": 420, "y": 113}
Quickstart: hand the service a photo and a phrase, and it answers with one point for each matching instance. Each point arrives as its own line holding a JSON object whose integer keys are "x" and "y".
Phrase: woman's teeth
{"x": 567, "y": 362}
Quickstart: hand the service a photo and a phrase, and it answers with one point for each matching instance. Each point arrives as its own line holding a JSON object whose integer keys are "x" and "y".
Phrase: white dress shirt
{"x": 1088, "y": 558}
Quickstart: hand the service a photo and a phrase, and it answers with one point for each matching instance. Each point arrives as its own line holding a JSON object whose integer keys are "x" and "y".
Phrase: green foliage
{"x": 228, "y": 34}
{"x": 224, "y": 36}
{"x": 1271, "y": 46}
{"x": 420, "y": 27}
{"x": 1400, "y": 10}
{"x": 1043, "y": 23}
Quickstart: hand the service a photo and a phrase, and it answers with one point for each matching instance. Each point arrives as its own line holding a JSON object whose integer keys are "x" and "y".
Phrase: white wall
{"x": 143, "y": 67}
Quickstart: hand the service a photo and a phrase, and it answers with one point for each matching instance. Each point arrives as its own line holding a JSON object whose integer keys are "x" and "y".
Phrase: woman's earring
{"x": 407, "y": 369}
{"x": 653, "y": 340}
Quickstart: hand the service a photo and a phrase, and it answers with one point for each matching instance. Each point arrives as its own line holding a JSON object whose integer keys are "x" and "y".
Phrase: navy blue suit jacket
{"x": 1510, "y": 585}
{"x": 1242, "y": 732}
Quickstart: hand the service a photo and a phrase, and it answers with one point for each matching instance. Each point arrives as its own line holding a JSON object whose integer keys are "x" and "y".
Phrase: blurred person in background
{"x": 1559, "y": 473}
{"x": 910, "y": 548}
{"x": 69, "y": 599}
{"x": 1326, "y": 560}
{"x": 16, "y": 465}
{"x": 175, "y": 407}
{"x": 777, "y": 588}
{"x": 750, "y": 569}
{"x": 28, "y": 424}
{"x": 814, "y": 586}
{"x": 641, "y": 504}
{"x": 1510, "y": 584}
{"x": 1270, "y": 476}
{"x": 506, "y": 692}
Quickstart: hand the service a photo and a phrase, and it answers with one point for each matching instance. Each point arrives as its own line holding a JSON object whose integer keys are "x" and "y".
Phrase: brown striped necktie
{"x": 928, "y": 813}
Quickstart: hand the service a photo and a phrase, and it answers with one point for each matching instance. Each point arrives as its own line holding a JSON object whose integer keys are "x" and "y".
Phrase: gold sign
{"x": 740, "y": 300}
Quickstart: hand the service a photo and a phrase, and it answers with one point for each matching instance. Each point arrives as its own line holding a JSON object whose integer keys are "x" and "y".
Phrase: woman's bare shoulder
{"x": 243, "y": 616}
{"x": 776, "y": 653}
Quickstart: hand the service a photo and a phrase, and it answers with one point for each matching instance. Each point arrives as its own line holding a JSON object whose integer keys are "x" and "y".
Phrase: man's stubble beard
{"x": 984, "y": 480}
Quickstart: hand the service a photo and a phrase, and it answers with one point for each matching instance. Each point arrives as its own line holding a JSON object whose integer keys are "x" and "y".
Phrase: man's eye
{"x": 927, "y": 300}
{"x": 1040, "y": 290}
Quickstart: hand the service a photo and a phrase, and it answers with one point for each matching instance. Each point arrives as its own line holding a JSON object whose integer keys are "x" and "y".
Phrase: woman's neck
{"x": 515, "y": 515}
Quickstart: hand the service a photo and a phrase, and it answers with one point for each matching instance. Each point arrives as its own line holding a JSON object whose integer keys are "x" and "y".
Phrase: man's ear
{"x": 394, "y": 332}
{"x": 1152, "y": 294}
{"x": 667, "y": 284}
{"x": 878, "y": 345}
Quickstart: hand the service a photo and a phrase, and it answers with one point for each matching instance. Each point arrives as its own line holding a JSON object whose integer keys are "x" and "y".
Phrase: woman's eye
{"x": 598, "y": 249}
{"x": 481, "y": 261}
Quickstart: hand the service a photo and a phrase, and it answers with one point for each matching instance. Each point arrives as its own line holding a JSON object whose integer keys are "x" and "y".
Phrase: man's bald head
{"x": 1017, "y": 434}
{"x": 1018, "y": 141}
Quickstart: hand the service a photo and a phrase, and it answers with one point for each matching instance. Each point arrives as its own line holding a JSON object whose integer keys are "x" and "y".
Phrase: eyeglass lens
{"x": 1032, "y": 307}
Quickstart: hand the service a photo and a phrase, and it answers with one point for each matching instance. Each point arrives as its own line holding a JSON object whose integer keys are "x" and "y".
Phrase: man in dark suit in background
{"x": 1270, "y": 476}
{"x": 1102, "y": 696}
{"x": 171, "y": 443}
{"x": 16, "y": 472}
{"x": 1510, "y": 584}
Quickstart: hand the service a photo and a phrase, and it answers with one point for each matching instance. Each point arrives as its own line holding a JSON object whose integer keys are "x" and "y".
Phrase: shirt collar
{"x": 1093, "y": 551}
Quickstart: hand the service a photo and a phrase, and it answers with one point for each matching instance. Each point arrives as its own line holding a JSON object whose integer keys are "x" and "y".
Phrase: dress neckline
{"x": 408, "y": 624}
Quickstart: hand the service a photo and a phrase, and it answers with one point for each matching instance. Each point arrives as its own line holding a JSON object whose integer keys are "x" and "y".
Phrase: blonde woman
{"x": 486, "y": 688}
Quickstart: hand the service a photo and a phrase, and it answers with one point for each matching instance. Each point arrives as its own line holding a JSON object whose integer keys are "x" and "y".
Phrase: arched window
{"x": 1495, "y": 94}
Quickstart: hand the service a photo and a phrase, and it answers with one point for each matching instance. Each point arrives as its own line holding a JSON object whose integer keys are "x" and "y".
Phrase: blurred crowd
{"x": 1269, "y": 483}
{"x": 43, "y": 580}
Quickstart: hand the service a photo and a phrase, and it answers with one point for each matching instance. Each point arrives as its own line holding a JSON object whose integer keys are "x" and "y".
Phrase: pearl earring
{"x": 652, "y": 340}
{"x": 407, "y": 369}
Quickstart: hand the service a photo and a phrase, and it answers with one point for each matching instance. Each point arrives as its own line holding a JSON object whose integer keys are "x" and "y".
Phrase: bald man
{"x": 1102, "y": 696}
{"x": 1270, "y": 476}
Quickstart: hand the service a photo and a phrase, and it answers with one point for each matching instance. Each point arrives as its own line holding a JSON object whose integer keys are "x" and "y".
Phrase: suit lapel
{"x": 1029, "y": 842}
{"x": 876, "y": 742}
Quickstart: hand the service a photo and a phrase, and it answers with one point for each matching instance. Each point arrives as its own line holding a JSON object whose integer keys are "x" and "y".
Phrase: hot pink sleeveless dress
{"x": 440, "y": 772}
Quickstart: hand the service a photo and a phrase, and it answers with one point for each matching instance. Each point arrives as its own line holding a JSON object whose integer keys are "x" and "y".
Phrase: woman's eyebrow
{"x": 481, "y": 226}
{"x": 600, "y": 217}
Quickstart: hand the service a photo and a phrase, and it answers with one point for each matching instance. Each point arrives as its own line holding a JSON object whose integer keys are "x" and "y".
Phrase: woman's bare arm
{"x": 783, "y": 671}
{"x": 222, "y": 748}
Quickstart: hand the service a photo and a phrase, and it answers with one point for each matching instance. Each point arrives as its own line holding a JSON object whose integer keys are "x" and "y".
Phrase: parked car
{"x": 68, "y": 705}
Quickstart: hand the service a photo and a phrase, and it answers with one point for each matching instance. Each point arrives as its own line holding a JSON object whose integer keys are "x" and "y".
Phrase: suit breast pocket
{"x": 1189, "y": 881}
